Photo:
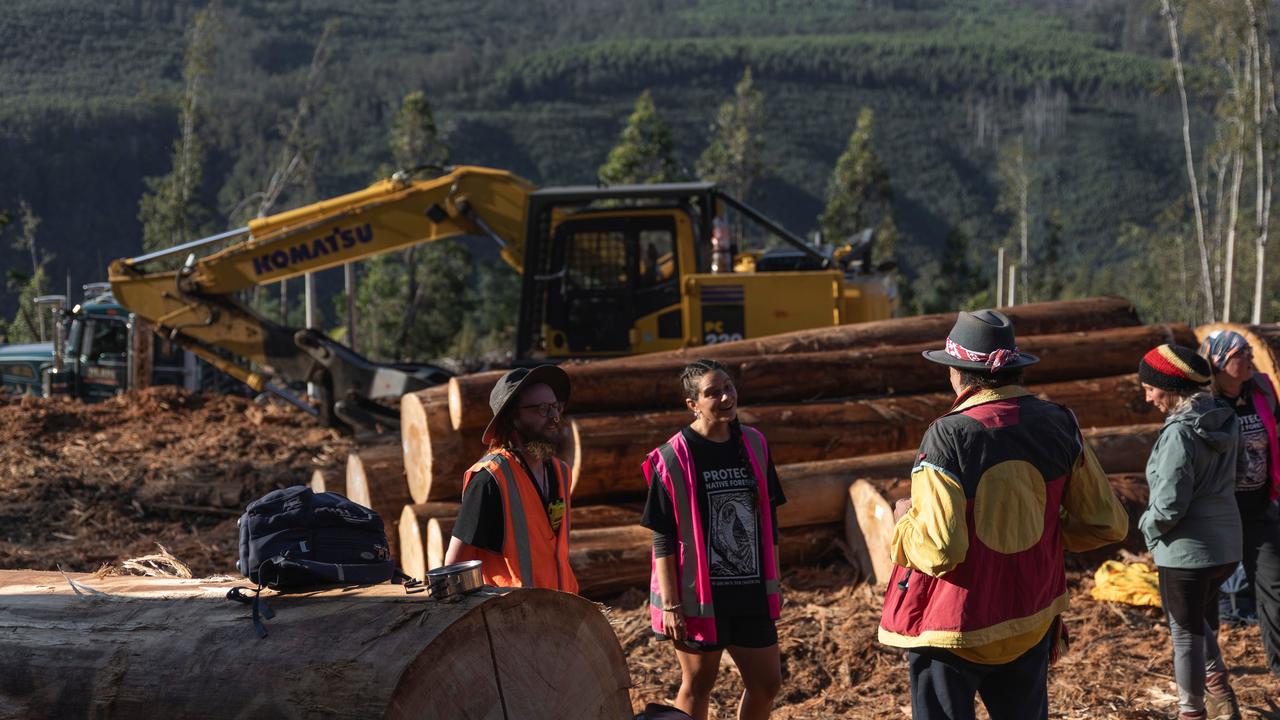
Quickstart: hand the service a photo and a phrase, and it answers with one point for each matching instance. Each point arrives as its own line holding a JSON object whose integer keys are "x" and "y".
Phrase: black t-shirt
{"x": 1253, "y": 484}
{"x": 726, "y": 489}
{"x": 481, "y": 520}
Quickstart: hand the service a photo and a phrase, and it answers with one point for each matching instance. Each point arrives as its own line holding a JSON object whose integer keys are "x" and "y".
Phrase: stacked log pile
{"x": 838, "y": 405}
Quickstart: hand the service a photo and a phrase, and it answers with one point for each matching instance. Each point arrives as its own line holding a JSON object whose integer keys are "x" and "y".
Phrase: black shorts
{"x": 747, "y": 631}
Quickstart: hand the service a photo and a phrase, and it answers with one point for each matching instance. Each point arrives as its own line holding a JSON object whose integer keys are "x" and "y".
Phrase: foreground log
{"x": 607, "y": 561}
{"x": 868, "y": 524}
{"x": 1264, "y": 340}
{"x": 435, "y": 456}
{"x": 375, "y": 479}
{"x": 158, "y": 647}
{"x": 414, "y": 535}
{"x": 648, "y": 381}
{"x": 606, "y": 450}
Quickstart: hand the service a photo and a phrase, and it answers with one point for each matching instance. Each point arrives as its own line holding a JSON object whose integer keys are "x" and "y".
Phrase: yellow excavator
{"x": 605, "y": 271}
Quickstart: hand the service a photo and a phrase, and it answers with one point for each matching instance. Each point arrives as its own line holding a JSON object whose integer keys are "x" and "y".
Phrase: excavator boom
{"x": 196, "y": 306}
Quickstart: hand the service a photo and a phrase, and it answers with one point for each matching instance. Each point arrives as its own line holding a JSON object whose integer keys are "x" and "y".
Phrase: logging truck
{"x": 97, "y": 351}
{"x": 605, "y": 271}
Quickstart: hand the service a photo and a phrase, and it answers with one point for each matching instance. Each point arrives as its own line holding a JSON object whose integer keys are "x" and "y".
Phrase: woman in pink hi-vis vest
{"x": 713, "y": 495}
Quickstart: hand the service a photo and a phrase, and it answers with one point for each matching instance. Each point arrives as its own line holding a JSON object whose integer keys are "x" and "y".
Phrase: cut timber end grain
{"x": 435, "y": 456}
{"x": 414, "y": 532}
{"x": 375, "y": 479}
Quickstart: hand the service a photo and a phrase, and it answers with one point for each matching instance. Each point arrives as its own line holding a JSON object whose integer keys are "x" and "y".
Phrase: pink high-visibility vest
{"x": 672, "y": 465}
{"x": 1263, "y": 396}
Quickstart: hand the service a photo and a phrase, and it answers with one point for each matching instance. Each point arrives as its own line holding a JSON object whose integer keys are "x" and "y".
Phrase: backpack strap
{"x": 261, "y": 608}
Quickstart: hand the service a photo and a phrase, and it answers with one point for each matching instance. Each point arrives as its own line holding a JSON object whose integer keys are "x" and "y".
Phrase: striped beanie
{"x": 1174, "y": 368}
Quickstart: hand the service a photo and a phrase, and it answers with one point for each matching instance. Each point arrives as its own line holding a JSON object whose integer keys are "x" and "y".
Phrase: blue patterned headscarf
{"x": 1221, "y": 345}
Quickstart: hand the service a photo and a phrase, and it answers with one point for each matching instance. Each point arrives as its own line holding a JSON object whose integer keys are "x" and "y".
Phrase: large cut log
{"x": 648, "y": 382}
{"x": 414, "y": 534}
{"x": 1264, "y": 340}
{"x": 816, "y": 491}
{"x": 1045, "y": 318}
{"x": 159, "y": 647}
{"x": 435, "y": 456}
{"x": 375, "y": 479}
{"x": 868, "y": 524}
{"x": 607, "y": 561}
{"x": 606, "y": 450}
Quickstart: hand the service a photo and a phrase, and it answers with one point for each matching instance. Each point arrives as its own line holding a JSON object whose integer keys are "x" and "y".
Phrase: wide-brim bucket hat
{"x": 508, "y": 388}
{"x": 982, "y": 341}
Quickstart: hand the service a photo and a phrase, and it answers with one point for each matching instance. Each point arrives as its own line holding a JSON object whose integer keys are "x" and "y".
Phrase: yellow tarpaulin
{"x": 1134, "y": 584}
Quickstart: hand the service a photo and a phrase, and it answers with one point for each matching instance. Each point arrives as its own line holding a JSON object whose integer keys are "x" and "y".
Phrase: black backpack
{"x": 295, "y": 539}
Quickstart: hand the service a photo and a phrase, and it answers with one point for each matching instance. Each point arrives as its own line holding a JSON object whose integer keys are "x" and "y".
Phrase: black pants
{"x": 1190, "y": 600}
{"x": 943, "y": 685}
{"x": 1262, "y": 568}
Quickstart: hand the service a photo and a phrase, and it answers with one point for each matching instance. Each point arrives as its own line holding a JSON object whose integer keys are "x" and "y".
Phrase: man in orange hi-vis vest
{"x": 515, "y": 500}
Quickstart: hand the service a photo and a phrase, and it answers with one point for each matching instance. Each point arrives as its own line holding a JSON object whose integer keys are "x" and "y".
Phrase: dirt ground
{"x": 86, "y": 485}
{"x": 82, "y": 486}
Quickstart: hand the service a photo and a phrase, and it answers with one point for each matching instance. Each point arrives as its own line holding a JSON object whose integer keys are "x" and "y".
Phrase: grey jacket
{"x": 1191, "y": 519}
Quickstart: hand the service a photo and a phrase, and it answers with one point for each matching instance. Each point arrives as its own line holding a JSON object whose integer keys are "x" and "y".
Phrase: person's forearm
{"x": 667, "y": 581}
{"x": 460, "y": 552}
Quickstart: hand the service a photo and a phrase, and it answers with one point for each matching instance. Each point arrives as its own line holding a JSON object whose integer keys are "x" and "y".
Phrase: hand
{"x": 673, "y": 624}
{"x": 900, "y": 508}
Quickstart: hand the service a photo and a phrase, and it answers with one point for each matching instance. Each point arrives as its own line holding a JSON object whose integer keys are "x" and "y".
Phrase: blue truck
{"x": 93, "y": 353}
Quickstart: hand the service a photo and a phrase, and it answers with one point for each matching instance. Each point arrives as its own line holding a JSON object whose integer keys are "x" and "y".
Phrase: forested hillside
{"x": 89, "y": 96}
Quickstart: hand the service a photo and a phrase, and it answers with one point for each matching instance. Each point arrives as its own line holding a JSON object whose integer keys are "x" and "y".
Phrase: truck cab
{"x": 92, "y": 354}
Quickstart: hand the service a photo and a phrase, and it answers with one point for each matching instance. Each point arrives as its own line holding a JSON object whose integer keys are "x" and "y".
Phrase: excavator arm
{"x": 197, "y": 305}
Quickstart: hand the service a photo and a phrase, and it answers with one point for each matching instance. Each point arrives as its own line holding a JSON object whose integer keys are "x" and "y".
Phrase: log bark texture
{"x": 1045, "y": 318}
{"x": 868, "y": 524}
{"x": 414, "y": 535}
{"x": 435, "y": 456}
{"x": 375, "y": 479}
{"x": 158, "y": 647}
{"x": 606, "y": 450}
{"x": 648, "y": 382}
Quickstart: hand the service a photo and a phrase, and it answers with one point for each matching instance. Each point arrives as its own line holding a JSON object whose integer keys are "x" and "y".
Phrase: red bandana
{"x": 994, "y": 360}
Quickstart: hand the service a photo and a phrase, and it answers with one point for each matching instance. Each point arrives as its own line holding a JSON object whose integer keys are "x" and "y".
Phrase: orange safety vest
{"x": 533, "y": 555}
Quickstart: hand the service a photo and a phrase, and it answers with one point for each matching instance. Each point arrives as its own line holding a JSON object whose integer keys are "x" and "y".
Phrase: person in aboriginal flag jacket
{"x": 713, "y": 497}
{"x": 1004, "y": 483}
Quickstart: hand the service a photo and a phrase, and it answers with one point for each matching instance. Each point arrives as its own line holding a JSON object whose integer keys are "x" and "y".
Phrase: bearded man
{"x": 515, "y": 500}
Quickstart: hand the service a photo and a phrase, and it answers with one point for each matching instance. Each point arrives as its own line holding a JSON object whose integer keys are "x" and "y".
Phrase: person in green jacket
{"x": 1191, "y": 524}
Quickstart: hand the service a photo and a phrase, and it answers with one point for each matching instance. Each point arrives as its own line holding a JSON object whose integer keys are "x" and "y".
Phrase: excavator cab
{"x": 603, "y": 268}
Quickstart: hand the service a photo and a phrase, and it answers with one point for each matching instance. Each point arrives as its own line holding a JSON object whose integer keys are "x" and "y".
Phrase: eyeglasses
{"x": 544, "y": 409}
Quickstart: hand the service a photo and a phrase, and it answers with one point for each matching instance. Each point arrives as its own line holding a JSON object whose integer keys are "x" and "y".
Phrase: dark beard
{"x": 540, "y": 450}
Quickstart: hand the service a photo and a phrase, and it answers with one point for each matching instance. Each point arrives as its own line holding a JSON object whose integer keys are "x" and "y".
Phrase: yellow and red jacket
{"x": 1003, "y": 484}
{"x": 533, "y": 554}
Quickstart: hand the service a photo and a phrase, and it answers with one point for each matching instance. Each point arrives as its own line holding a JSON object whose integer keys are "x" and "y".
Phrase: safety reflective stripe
{"x": 684, "y": 521}
{"x": 757, "y": 450}
{"x": 519, "y": 523}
